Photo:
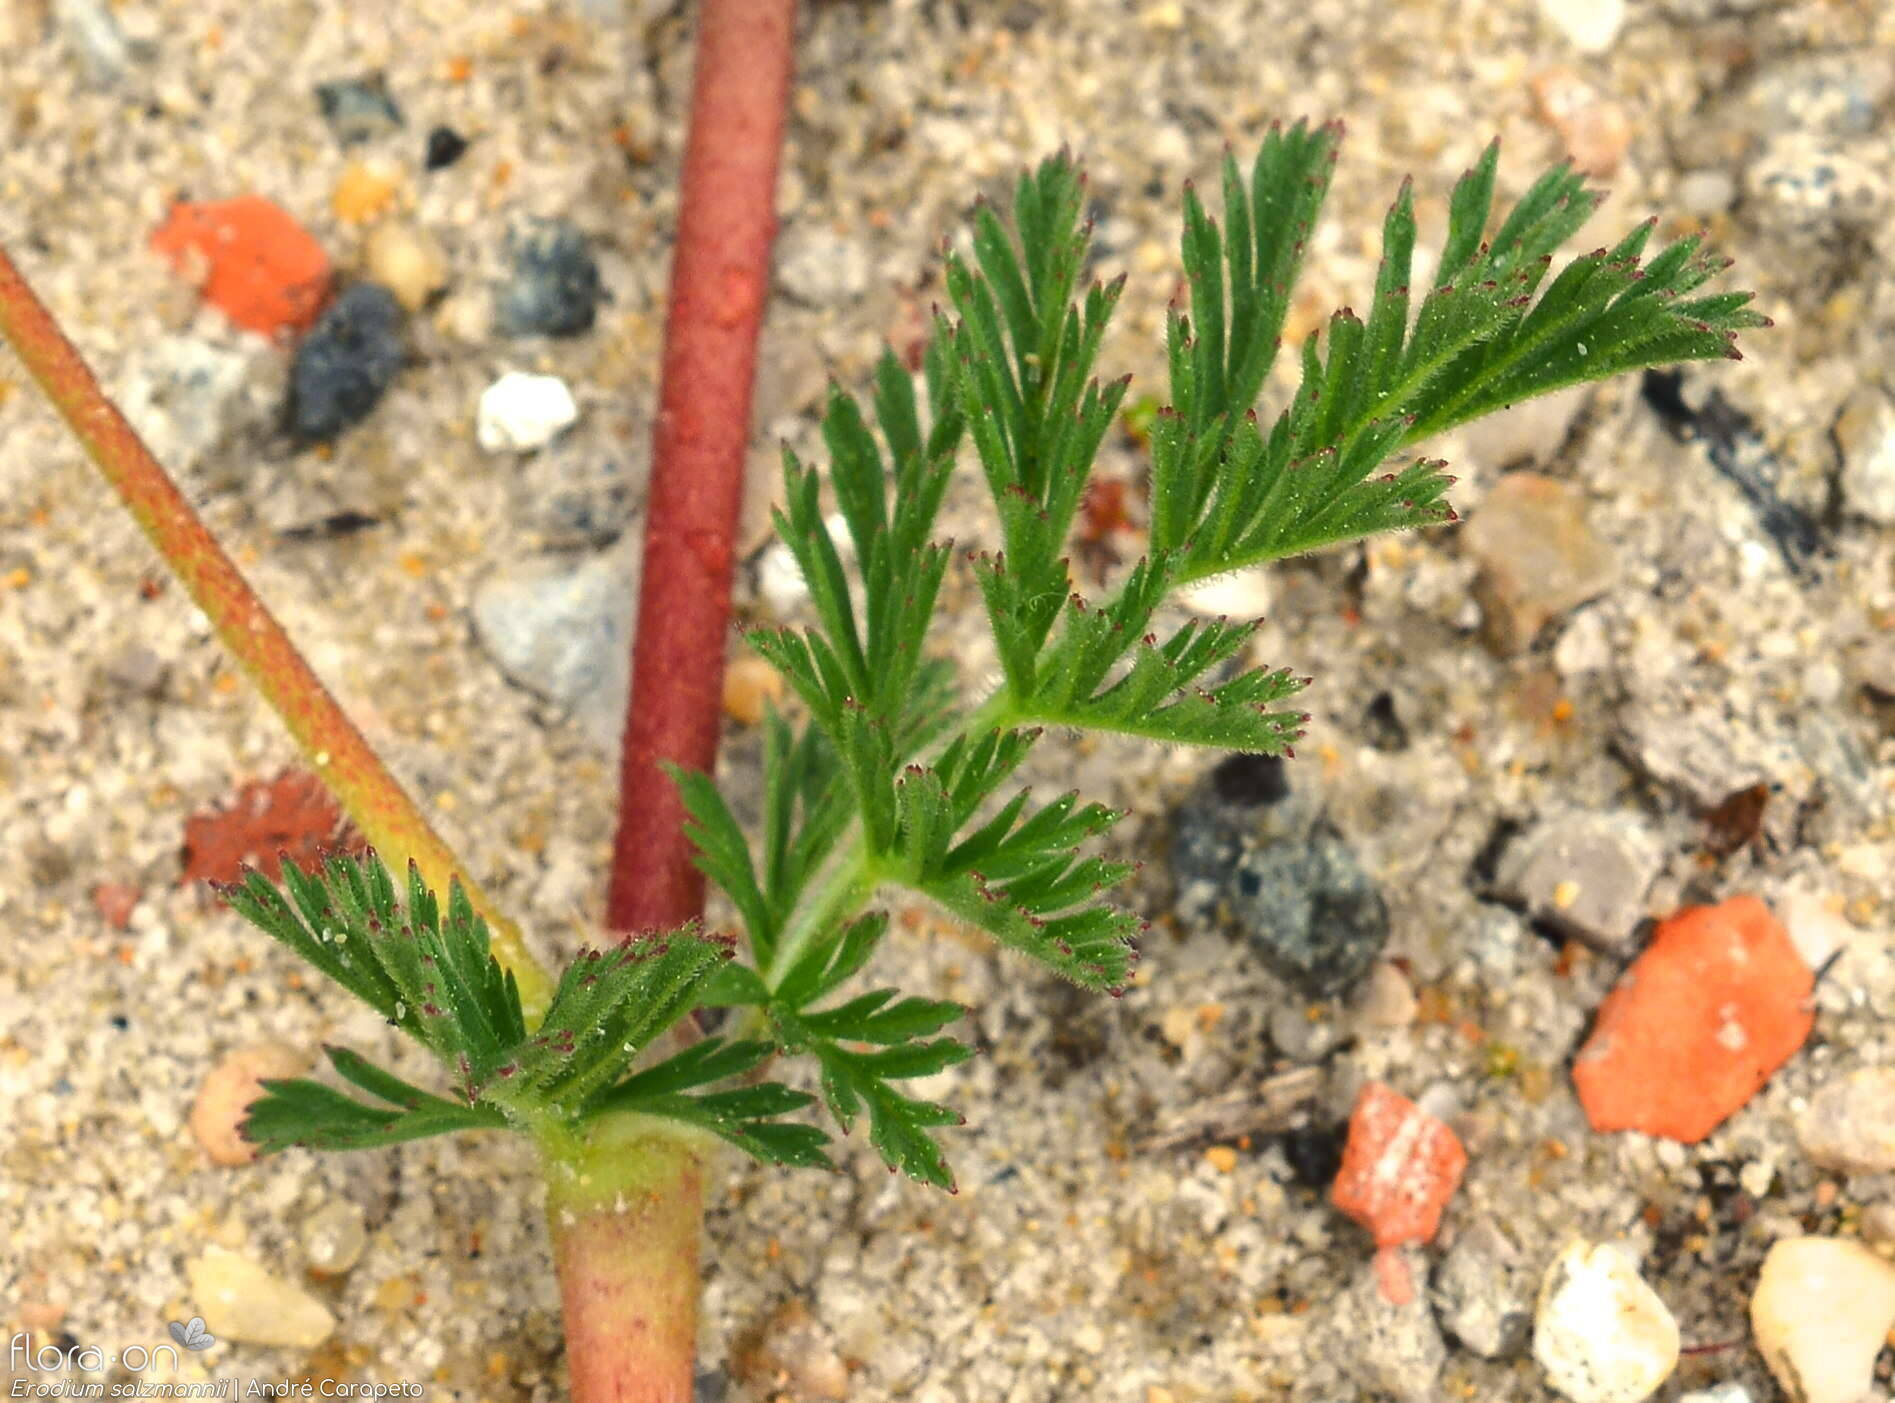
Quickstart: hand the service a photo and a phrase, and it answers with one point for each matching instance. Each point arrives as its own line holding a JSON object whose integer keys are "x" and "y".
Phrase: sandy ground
{"x": 1074, "y": 1263}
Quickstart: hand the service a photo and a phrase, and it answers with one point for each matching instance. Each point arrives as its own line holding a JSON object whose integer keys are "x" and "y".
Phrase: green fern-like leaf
{"x": 1486, "y": 335}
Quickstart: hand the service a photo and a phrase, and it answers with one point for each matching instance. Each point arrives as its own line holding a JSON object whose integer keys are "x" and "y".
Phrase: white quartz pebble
{"x": 521, "y": 412}
{"x": 1821, "y": 1312}
{"x": 242, "y": 1302}
{"x": 1600, "y": 1333}
{"x": 334, "y": 1236}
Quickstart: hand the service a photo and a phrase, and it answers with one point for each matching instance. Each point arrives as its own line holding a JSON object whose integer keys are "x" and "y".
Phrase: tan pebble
{"x": 224, "y": 1099}
{"x": 1820, "y": 1314}
{"x": 408, "y": 262}
{"x": 241, "y": 1302}
{"x": 1878, "y": 1226}
{"x": 1388, "y": 999}
{"x": 1850, "y": 1123}
{"x": 749, "y": 682}
{"x": 365, "y": 191}
{"x": 395, "y": 1294}
{"x": 1595, "y": 130}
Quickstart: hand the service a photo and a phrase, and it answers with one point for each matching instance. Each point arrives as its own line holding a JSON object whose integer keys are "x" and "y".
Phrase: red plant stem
{"x": 719, "y": 277}
{"x": 626, "y": 1213}
{"x": 342, "y": 757}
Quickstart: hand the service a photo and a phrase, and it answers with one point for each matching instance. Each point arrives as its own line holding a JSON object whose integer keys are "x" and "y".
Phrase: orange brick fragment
{"x": 1399, "y": 1168}
{"x": 1719, "y": 1000}
{"x": 265, "y": 271}
{"x": 291, "y": 816}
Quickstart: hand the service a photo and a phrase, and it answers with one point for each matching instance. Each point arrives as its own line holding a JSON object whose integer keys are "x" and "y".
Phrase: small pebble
{"x": 364, "y": 191}
{"x": 577, "y": 501}
{"x": 1531, "y": 431}
{"x": 1850, "y": 1123}
{"x": 1865, "y": 436}
{"x": 1249, "y": 852}
{"x": 408, "y": 262}
{"x": 791, "y": 1350}
{"x": 1600, "y": 1333}
{"x": 554, "y": 289}
{"x": 346, "y": 364}
{"x": 821, "y": 268}
{"x": 1586, "y": 874}
{"x": 1539, "y": 558}
{"x": 334, "y": 1237}
{"x": 92, "y": 31}
{"x": 1388, "y": 998}
{"x": 1483, "y": 1293}
{"x": 1399, "y": 1168}
{"x": 115, "y": 902}
{"x": 243, "y": 1304}
{"x": 520, "y": 412}
{"x": 1721, "y": 1393}
{"x": 780, "y": 583}
{"x": 223, "y": 1101}
{"x": 445, "y": 147}
{"x": 1821, "y": 1312}
{"x": 1701, "y": 1020}
{"x": 250, "y": 260}
{"x": 358, "y": 109}
{"x": 1241, "y": 595}
{"x": 561, "y": 628}
{"x": 188, "y": 398}
{"x": 1298, "y": 1036}
{"x": 1706, "y": 192}
{"x": 1592, "y": 26}
{"x": 750, "y": 682}
{"x": 1595, "y": 130}
{"x": 1390, "y": 1343}
{"x": 1878, "y": 1225}
{"x": 1805, "y": 189}
{"x": 138, "y": 670}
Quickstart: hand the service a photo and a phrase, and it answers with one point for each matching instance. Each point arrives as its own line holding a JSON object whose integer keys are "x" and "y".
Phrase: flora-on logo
{"x": 192, "y": 1334}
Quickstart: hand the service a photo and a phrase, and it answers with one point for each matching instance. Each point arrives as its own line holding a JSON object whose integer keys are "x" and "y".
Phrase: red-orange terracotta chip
{"x": 262, "y": 269}
{"x": 1399, "y": 1168}
{"x": 1719, "y": 1000}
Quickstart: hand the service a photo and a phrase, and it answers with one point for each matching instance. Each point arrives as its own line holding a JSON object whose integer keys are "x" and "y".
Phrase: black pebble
{"x": 445, "y": 147}
{"x": 1250, "y": 780}
{"x": 346, "y": 363}
{"x": 555, "y": 288}
{"x": 1315, "y": 1154}
{"x": 1382, "y": 724}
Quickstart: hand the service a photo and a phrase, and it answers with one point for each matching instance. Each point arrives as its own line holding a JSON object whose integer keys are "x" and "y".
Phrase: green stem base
{"x": 626, "y": 1209}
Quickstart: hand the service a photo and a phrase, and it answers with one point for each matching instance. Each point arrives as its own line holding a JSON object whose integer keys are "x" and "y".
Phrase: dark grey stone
{"x": 554, "y": 288}
{"x": 346, "y": 363}
{"x": 1250, "y": 852}
{"x": 358, "y": 109}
